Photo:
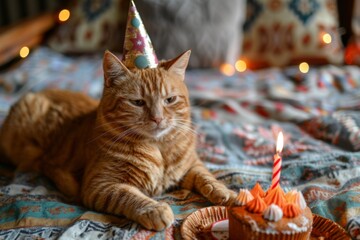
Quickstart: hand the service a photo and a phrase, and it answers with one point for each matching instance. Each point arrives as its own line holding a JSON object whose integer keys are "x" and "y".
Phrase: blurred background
{"x": 256, "y": 67}
{"x": 218, "y": 32}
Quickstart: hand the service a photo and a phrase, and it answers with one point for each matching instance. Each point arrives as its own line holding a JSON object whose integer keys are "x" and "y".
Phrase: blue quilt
{"x": 235, "y": 118}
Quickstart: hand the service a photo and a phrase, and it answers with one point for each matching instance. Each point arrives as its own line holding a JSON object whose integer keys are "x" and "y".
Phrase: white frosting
{"x": 296, "y": 197}
{"x": 243, "y": 197}
{"x": 273, "y": 213}
{"x": 303, "y": 228}
{"x": 301, "y": 200}
{"x": 297, "y": 228}
{"x": 304, "y": 221}
{"x": 271, "y": 228}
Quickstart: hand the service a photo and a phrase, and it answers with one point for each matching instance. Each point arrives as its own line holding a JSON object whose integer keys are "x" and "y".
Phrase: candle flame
{"x": 279, "y": 142}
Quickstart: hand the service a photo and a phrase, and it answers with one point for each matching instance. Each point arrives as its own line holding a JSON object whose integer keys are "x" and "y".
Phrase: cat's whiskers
{"x": 185, "y": 121}
{"x": 182, "y": 123}
{"x": 117, "y": 121}
{"x": 102, "y": 146}
{"x": 111, "y": 129}
{"x": 185, "y": 126}
{"x": 113, "y": 140}
{"x": 186, "y": 136}
{"x": 124, "y": 134}
{"x": 185, "y": 131}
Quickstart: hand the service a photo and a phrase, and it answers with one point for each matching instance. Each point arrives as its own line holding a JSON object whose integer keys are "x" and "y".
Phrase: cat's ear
{"x": 114, "y": 69}
{"x": 179, "y": 64}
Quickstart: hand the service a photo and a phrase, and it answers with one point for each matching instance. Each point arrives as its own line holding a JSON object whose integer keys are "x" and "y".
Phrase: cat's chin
{"x": 158, "y": 133}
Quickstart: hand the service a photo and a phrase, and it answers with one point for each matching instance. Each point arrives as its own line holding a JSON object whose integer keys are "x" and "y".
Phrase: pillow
{"x": 211, "y": 29}
{"x": 94, "y": 25}
{"x": 288, "y": 32}
{"x": 341, "y": 128}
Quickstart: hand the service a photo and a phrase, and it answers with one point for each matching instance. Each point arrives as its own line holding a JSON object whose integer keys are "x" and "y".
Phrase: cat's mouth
{"x": 158, "y": 131}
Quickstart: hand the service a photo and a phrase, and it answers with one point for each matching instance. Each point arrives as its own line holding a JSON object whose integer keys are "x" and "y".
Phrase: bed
{"x": 235, "y": 116}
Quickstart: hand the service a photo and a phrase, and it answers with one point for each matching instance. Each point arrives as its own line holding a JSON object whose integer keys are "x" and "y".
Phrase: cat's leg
{"x": 127, "y": 200}
{"x": 199, "y": 178}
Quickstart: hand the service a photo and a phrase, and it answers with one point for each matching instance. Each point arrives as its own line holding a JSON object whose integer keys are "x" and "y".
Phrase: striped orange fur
{"x": 135, "y": 143}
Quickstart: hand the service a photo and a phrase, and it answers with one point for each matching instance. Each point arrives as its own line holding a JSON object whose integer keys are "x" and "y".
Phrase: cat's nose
{"x": 157, "y": 120}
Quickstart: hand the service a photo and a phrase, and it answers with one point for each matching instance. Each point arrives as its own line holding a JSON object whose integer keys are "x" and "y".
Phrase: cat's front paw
{"x": 156, "y": 217}
{"x": 219, "y": 194}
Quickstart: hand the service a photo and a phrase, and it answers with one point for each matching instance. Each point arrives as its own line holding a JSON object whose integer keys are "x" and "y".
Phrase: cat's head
{"x": 150, "y": 102}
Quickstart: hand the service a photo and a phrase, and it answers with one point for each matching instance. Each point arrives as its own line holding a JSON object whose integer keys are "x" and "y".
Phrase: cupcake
{"x": 269, "y": 216}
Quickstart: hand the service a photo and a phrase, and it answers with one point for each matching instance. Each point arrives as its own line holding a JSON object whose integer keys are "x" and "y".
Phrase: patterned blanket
{"x": 235, "y": 117}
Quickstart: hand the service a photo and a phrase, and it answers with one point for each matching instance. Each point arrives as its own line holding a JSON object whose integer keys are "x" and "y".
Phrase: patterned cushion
{"x": 93, "y": 26}
{"x": 287, "y": 32}
{"x": 211, "y": 29}
{"x": 341, "y": 128}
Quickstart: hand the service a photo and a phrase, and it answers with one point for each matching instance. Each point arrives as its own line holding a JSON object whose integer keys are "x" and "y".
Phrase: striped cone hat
{"x": 138, "y": 50}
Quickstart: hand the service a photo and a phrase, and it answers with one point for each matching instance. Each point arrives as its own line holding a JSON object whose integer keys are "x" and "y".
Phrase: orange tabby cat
{"x": 135, "y": 143}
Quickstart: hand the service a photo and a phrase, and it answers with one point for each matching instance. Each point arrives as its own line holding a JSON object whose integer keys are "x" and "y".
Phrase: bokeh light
{"x": 327, "y": 38}
{"x": 227, "y": 69}
{"x": 64, "y": 15}
{"x": 304, "y": 67}
{"x": 240, "y": 66}
{"x": 24, "y": 52}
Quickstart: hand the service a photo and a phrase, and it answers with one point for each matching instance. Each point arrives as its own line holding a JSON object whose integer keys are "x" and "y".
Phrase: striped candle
{"x": 277, "y": 161}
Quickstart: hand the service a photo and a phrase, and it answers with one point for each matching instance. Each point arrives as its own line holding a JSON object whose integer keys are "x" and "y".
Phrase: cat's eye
{"x": 170, "y": 100}
{"x": 138, "y": 102}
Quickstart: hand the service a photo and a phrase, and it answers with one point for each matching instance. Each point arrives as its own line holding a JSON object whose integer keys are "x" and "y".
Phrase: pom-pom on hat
{"x": 138, "y": 49}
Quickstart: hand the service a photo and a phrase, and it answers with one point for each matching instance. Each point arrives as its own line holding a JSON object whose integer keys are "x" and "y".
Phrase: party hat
{"x": 138, "y": 50}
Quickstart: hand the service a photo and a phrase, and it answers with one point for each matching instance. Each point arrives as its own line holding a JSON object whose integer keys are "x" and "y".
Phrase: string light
{"x": 327, "y": 38}
{"x": 64, "y": 15}
{"x": 24, "y": 52}
{"x": 227, "y": 69}
{"x": 304, "y": 67}
{"x": 240, "y": 66}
